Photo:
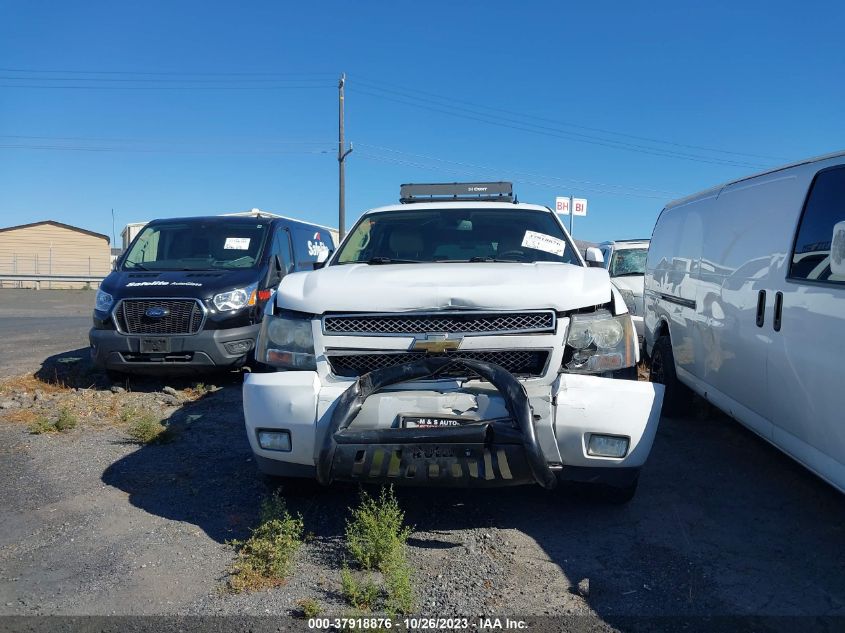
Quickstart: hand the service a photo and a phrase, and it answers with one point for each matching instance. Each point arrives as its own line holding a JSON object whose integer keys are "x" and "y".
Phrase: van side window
{"x": 824, "y": 209}
{"x": 281, "y": 247}
{"x": 308, "y": 243}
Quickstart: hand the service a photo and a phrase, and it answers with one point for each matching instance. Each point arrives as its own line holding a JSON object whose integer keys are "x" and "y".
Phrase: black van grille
{"x": 450, "y": 323}
{"x": 518, "y": 361}
{"x": 182, "y": 316}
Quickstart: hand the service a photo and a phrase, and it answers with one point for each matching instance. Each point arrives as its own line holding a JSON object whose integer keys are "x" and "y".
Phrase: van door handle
{"x": 778, "y": 311}
{"x": 761, "y": 308}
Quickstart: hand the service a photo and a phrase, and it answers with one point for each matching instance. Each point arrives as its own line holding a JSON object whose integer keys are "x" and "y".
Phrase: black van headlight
{"x": 103, "y": 301}
{"x": 598, "y": 342}
{"x": 235, "y": 299}
{"x": 286, "y": 341}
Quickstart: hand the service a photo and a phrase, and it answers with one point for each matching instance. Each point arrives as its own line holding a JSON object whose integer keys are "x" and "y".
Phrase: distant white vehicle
{"x": 625, "y": 263}
{"x": 745, "y": 304}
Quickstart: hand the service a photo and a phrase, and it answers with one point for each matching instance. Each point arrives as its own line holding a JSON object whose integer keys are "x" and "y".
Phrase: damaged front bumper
{"x": 511, "y": 433}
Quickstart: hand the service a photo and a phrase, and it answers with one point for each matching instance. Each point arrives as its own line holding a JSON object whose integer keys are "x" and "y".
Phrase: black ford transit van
{"x": 189, "y": 293}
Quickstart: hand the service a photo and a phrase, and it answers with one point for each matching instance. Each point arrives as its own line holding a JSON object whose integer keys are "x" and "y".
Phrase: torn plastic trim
{"x": 513, "y": 392}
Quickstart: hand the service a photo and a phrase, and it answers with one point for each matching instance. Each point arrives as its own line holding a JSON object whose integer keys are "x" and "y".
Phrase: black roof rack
{"x": 456, "y": 192}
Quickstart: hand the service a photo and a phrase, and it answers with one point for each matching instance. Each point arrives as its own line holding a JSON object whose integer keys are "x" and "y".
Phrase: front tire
{"x": 677, "y": 396}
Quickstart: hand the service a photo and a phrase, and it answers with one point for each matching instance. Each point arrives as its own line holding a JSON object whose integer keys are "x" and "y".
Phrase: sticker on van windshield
{"x": 543, "y": 242}
{"x": 236, "y": 243}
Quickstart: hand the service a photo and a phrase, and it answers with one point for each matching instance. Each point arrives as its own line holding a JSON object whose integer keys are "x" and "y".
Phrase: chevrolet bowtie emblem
{"x": 436, "y": 343}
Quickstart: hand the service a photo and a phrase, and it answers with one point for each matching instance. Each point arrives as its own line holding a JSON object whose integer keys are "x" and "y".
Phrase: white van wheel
{"x": 676, "y": 399}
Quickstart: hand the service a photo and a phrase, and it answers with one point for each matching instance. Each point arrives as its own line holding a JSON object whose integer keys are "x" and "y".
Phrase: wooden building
{"x": 52, "y": 248}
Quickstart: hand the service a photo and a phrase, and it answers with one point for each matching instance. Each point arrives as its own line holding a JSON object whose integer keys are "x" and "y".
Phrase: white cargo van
{"x": 745, "y": 304}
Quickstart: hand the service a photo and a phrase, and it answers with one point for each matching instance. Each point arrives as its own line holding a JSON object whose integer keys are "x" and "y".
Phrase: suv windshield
{"x": 456, "y": 235}
{"x": 630, "y": 261}
{"x": 196, "y": 246}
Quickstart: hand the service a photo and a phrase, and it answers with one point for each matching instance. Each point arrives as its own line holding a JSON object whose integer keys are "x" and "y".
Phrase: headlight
{"x": 236, "y": 299}
{"x": 286, "y": 341}
{"x": 630, "y": 300}
{"x": 600, "y": 342}
{"x": 103, "y": 301}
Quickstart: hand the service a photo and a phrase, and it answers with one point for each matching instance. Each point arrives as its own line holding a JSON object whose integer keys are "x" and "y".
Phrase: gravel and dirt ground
{"x": 93, "y": 524}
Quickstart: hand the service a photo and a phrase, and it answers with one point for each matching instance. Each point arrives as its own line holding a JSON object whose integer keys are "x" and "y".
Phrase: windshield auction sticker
{"x": 543, "y": 242}
{"x": 236, "y": 243}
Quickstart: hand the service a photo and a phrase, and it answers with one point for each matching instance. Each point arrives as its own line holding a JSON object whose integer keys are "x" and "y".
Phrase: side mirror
{"x": 837, "y": 250}
{"x": 594, "y": 257}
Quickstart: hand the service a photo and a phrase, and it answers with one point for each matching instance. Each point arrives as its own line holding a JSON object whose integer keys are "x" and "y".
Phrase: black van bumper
{"x": 208, "y": 349}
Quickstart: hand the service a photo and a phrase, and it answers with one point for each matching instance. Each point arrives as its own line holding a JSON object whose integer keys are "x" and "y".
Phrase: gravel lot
{"x": 722, "y": 524}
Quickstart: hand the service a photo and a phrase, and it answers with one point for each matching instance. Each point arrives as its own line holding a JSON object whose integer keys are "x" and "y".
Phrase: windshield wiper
{"x": 388, "y": 260}
{"x": 135, "y": 265}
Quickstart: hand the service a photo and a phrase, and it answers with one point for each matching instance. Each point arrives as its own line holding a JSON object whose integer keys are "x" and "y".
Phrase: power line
{"x": 172, "y": 141}
{"x": 438, "y": 99}
{"x": 153, "y": 150}
{"x": 562, "y": 134}
{"x": 569, "y": 181}
{"x": 538, "y": 182}
{"x": 221, "y": 87}
{"x": 165, "y": 73}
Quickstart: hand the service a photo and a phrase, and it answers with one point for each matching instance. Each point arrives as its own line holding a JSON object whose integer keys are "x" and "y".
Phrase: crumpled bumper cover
{"x": 484, "y": 453}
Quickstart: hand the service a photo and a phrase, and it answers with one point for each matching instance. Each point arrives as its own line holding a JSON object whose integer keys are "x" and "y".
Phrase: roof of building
{"x": 58, "y": 224}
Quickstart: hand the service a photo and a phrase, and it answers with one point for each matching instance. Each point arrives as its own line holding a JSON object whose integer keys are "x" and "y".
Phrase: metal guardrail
{"x": 38, "y": 279}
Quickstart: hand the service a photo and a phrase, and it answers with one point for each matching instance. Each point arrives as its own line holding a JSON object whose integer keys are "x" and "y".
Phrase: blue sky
{"x": 204, "y": 107}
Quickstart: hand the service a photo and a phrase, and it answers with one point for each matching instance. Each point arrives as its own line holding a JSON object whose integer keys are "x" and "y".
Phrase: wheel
{"x": 677, "y": 396}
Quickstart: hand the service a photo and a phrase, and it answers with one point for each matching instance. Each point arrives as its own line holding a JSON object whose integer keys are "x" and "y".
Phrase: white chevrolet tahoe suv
{"x": 452, "y": 343}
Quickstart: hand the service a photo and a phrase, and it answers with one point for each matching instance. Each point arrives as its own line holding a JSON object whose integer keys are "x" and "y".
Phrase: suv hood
{"x": 475, "y": 286}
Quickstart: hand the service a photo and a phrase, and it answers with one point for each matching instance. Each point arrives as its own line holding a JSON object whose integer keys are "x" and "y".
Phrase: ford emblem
{"x": 156, "y": 312}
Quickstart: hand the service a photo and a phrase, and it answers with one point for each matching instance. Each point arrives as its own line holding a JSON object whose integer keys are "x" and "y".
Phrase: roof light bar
{"x": 456, "y": 192}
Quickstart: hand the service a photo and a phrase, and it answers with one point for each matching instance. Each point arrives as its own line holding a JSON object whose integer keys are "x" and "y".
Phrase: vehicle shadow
{"x": 722, "y": 523}
{"x": 73, "y": 369}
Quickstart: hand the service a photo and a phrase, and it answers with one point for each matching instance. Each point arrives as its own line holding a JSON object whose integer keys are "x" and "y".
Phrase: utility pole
{"x": 342, "y": 153}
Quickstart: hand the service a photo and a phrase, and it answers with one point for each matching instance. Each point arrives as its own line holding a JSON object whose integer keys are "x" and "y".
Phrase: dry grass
{"x": 29, "y": 384}
{"x": 21, "y": 416}
{"x": 197, "y": 391}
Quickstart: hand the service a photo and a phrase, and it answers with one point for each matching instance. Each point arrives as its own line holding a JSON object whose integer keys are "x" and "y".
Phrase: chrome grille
{"x": 184, "y": 316}
{"x": 446, "y": 322}
{"x": 518, "y": 361}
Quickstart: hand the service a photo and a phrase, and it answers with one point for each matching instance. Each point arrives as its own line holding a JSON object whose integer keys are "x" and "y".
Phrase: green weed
{"x": 375, "y": 532}
{"x": 266, "y": 557}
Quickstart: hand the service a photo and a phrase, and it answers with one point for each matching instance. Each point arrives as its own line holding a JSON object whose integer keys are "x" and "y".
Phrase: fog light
{"x": 607, "y": 446}
{"x": 274, "y": 440}
{"x": 238, "y": 347}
